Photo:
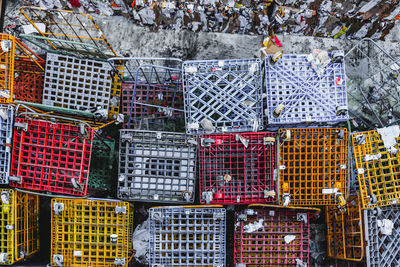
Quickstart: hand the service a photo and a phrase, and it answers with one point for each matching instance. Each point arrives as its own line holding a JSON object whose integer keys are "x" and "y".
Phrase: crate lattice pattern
{"x": 293, "y": 83}
{"x": 345, "y": 237}
{"x": 7, "y": 58}
{"x": 311, "y": 164}
{"x": 29, "y": 80}
{"x": 6, "y": 132}
{"x": 21, "y": 211}
{"x": 156, "y": 166}
{"x": 266, "y": 246}
{"x": 187, "y": 236}
{"x": 77, "y": 83}
{"x": 382, "y": 250}
{"x": 378, "y": 179}
{"x": 231, "y": 173}
{"x": 50, "y": 156}
{"x": 91, "y": 232}
{"x": 226, "y": 93}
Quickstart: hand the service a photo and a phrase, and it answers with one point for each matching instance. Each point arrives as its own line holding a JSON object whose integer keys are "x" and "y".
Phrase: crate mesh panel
{"x": 29, "y": 80}
{"x": 156, "y": 166}
{"x": 266, "y": 246}
{"x": 234, "y": 173}
{"x": 312, "y": 161}
{"x": 82, "y": 232}
{"x": 378, "y": 178}
{"x": 6, "y": 131}
{"x": 47, "y": 156}
{"x": 382, "y": 250}
{"x": 186, "y": 236}
{"x": 77, "y": 83}
{"x": 293, "y": 83}
{"x": 227, "y": 93}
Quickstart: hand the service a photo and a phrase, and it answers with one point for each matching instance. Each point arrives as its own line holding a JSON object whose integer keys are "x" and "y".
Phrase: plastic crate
{"x": 312, "y": 166}
{"x": 19, "y": 226}
{"x": 382, "y": 250}
{"x": 293, "y": 85}
{"x": 224, "y": 96}
{"x": 378, "y": 169}
{"x": 152, "y": 94}
{"x": 91, "y": 232}
{"x": 116, "y": 90}
{"x": 51, "y": 156}
{"x": 6, "y": 133}
{"x": 157, "y": 166}
{"x": 29, "y": 80}
{"x": 101, "y": 163}
{"x": 345, "y": 237}
{"x": 271, "y": 237}
{"x": 76, "y": 83}
{"x": 237, "y": 168}
{"x": 7, "y": 58}
{"x": 187, "y": 236}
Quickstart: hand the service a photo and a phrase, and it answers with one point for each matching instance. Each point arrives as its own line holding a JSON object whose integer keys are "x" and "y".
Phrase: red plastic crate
{"x": 266, "y": 245}
{"x": 50, "y": 156}
{"x": 28, "y": 82}
{"x": 172, "y": 96}
{"x": 237, "y": 168}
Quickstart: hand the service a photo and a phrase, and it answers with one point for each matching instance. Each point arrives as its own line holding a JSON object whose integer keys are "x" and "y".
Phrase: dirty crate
{"x": 77, "y": 83}
{"x": 51, "y": 156}
{"x": 223, "y": 96}
{"x": 378, "y": 167}
{"x": 345, "y": 237}
{"x": 152, "y": 94}
{"x": 296, "y": 94}
{"x": 187, "y": 236}
{"x": 91, "y": 232}
{"x": 312, "y": 166}
{"x": 382, "y": 236}
{"x": 6, "y": 133}
{"x": 7, "y": 61}
{"x": 101, "y": 164}
{"x": 237, "y": 168}
{"x": 268, "y": 236}
{"x": 157, "y": 166}
{"x": 29, "y": 80}
{"x": 19, "y": 231}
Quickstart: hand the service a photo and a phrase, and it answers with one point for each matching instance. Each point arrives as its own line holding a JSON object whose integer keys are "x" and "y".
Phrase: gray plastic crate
{"x": 77, "y": 83}
{"x": 6, "y": 132}
{"x": 156, "y": 166}
{"x": 187, "y": 236}
{"x": 224, "y": 93}
{"x": 293, "y": 85}
{"x": 382, "y": 250}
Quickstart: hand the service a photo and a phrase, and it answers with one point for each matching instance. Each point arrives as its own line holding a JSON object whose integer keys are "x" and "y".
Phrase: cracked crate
{"x": 237, "y": 168}
{"x": 29, "y": 80}
{"x": 266, "y": 236}
{"x": 378, "y": 169}
{"x": 187, "y": 236}
{"x": 91, "y": 232}
{"x": 296, "y": 94}
{"x": 51, "y": 156}
{"x": 101, "y": 163}
{"x": 6, "y": 133}
{"x": 382, "y": 249}
{"x": 152, "y": 93}
{"x": 156, "y": 166}
{"x": 312, "y": 166}
{"x": 19, "y": 226}
{"x": 345, "y": 237}
{"x": 77, "y": 83}
{"x": 223, "y": 96}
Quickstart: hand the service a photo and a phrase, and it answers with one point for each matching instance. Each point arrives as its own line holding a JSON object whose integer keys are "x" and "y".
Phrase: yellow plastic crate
{"x": 7, "y": 57}
{"x": 115, "y": 100}
{"x": 312, "y": 166}
{"x": 345, "y": 236}
{"x": 378, "y": 169}
{"x": 19, "y": 226}
{"x": 91, "y": 232}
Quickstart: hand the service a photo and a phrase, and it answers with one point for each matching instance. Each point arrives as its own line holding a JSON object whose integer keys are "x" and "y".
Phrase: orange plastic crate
{"x": 312, "y": 166}
{"x": 345, "y": 236}
{"x": 28, "y": 83}
{"x": 378, "y": 170}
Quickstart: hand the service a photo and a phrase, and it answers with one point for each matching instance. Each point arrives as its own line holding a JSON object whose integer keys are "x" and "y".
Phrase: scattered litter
{"x": 255, "y": 226}
{"x": 372, "y": 157}
{"x": 140, "y": 242}
{"x": 389, "y": 135}
{"x": 289, "y": 238}
{"x": 385, "y": 226}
